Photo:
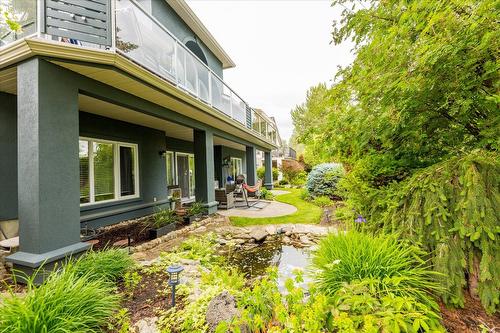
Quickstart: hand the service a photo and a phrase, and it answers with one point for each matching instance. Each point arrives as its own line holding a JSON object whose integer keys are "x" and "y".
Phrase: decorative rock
{"x": 147, "y": 325}
{"x": 200, "y": 229}
{"x": 259, "y": 235}
{"x": 305, "y": 240}
{"x": 271, "y": 230}
{"x": 222, "y": 241}
{"x": 221, "y": 308}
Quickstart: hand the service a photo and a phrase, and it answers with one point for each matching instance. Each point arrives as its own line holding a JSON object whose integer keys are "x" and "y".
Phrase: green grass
{"x": 306, "y": 212}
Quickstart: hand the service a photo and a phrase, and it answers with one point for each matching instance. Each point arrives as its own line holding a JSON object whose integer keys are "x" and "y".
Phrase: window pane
{"x": 170, "y": 168}
{"x": 84, "y": 171}
{"x": 127, "y": 171}
{"x": 104, "y": 184}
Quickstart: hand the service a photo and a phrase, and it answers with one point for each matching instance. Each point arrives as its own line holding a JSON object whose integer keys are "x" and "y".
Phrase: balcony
{"x": 124, "y": 27}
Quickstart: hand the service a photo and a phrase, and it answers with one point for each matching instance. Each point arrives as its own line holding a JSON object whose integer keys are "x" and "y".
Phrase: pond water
{"x": 253, "y": 262}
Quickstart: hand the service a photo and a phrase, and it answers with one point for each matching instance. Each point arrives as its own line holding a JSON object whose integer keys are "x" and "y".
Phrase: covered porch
{"x": 79, "y": 151}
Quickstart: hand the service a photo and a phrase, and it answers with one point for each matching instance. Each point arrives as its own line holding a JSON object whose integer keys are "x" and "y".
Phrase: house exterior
{"x": 104, "y": 105}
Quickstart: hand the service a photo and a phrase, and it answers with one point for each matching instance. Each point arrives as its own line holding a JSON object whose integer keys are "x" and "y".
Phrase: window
{"x": 169, "y": 156}
{"x": 236, "y": 167}
{"x": 108, "y": 171}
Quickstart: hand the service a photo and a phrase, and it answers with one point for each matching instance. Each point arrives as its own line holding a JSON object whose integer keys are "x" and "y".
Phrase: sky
{"x": 280, "y": 47}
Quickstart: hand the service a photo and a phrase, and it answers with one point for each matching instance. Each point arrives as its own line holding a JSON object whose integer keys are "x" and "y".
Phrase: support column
{"x": 268, "y": 165}
{"x": 48, "y": 166}
{"x": 204, "y": 169}
{"x": 251, "y": 165}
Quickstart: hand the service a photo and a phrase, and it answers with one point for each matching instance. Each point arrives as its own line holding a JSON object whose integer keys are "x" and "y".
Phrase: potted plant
{"x": 162, "y": 222}
{"x": 195, "y": 210}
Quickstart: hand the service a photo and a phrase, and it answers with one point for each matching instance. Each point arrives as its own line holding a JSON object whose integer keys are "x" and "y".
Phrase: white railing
{"x": 143, "y": 39}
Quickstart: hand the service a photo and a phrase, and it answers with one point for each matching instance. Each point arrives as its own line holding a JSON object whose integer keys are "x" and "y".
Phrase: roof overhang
{"x": 189, "y": 17}
{"x": 118, "y": 72}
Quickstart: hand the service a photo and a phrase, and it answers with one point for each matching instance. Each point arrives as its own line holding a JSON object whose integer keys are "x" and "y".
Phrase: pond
{"x": 253, "y": 262}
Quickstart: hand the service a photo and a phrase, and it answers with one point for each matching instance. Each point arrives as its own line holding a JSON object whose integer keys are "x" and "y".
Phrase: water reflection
{"x": 254, "y": 261}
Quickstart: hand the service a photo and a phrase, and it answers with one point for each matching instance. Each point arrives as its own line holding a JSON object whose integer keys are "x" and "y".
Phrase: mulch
{"x": 151, "y": 296}
{"x": 470, "y": 318}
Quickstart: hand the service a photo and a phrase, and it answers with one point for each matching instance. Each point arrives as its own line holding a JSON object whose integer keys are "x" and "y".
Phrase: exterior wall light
{"x": 174, "y": 273}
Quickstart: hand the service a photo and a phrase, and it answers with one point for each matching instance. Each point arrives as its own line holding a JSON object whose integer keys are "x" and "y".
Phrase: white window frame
{"x": 116, "y": 170}
{"x": 240, "y": 160}
{"x": 174, "y": 163}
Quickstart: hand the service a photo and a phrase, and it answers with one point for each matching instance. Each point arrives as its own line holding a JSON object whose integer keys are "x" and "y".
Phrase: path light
{"x": 174, "y": 274}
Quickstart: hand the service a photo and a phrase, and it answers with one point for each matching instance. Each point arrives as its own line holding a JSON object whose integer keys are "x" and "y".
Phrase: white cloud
{"x": 281, "y": 48}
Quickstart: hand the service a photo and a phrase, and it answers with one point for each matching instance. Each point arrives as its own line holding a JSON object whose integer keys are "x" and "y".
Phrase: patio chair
{"x": 225, "y": 198}
{"x": 244, "y": 189}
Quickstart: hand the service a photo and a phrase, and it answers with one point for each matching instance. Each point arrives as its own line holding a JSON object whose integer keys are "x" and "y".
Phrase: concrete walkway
{"x": 260, "y": 208}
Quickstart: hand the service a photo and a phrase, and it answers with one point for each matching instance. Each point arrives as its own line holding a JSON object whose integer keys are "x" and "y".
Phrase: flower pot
{"x": 191, "y": 218}
{"x": 162, "y": 231}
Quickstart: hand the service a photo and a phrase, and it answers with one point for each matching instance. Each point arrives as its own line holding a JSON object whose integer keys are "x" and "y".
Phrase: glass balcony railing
{"x": 141, "y": 38}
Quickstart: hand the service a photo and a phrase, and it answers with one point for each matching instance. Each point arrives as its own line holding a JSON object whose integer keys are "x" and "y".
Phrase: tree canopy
{"x": 415, "y": 120}
{"x": 423, "y": 86}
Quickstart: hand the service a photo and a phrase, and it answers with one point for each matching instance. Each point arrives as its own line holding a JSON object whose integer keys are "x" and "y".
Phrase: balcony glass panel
{"x": 23, "y": 13}
{"x": 203, "y": 82}
{"x": 142, "y": 40}
{"x": 221, "y": 98}
{"x": 191, "y": 74}
{"x": 239, "y": 109}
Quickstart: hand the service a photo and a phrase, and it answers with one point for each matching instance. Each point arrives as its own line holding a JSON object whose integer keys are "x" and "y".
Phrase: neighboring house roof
{"x": 189, "y": 17}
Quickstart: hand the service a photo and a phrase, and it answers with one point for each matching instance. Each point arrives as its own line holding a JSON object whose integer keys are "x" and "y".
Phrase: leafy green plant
{"x": 110, "y": 264}
{"x": 120, "y": 322}
{"x": 358, "y": 307}
{"x": 323, "y": 179}
{"x": 266, "y": 194}
{"x": 261, "y": 172}
{"x": 68, "y": 301}
{"x": 196, "y": 208}
{"x": 391, "y": 266}
{"x": 131, "y": 280}
{"x": 322, "y": 201}
{"x": 163, "y": 217}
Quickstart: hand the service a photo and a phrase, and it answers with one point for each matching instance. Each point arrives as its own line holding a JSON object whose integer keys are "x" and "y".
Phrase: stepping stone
{"x": 10, "y": 243}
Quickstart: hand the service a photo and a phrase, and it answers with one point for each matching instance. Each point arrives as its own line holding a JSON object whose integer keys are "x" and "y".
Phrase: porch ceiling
{"x": 174, "y": 130}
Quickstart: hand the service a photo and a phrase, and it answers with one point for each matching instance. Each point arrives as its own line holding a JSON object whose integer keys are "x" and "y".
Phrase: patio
{"x": 260, "y": 208}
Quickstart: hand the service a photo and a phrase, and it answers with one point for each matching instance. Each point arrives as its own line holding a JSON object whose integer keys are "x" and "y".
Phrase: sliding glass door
{"x": 185, "y": 174}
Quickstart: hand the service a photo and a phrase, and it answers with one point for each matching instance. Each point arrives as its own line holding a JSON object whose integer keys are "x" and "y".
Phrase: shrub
{"x": 291, "y": 170}
{"x": 358, "y": 307}
{"x": 390, "y": 266}
{"x": 110, "y": 264}
{"x": 196, "y": 208}
{"x": 283, "y": 182}
{"x": 322, "y": 201}
{"x": 276, "y": 173}
{"x": 266, "y": 194}
{"x": 452, "y": 209}
{"x": 323, "y": 179}
{"x": 67, "y": 301}
{"x": 304, "y": 194}
{"x": 163, "y": 217}
{"x": 261, "y": 172}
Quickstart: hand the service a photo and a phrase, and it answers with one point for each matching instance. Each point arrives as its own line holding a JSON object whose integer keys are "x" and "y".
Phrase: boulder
{"x": 221, "y": 308}
{"x": 147, "y": 325}
{"x": 259, "y": 235}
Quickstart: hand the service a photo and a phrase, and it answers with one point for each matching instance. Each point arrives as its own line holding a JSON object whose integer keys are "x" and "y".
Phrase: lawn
{"x": 306, "y": 212}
